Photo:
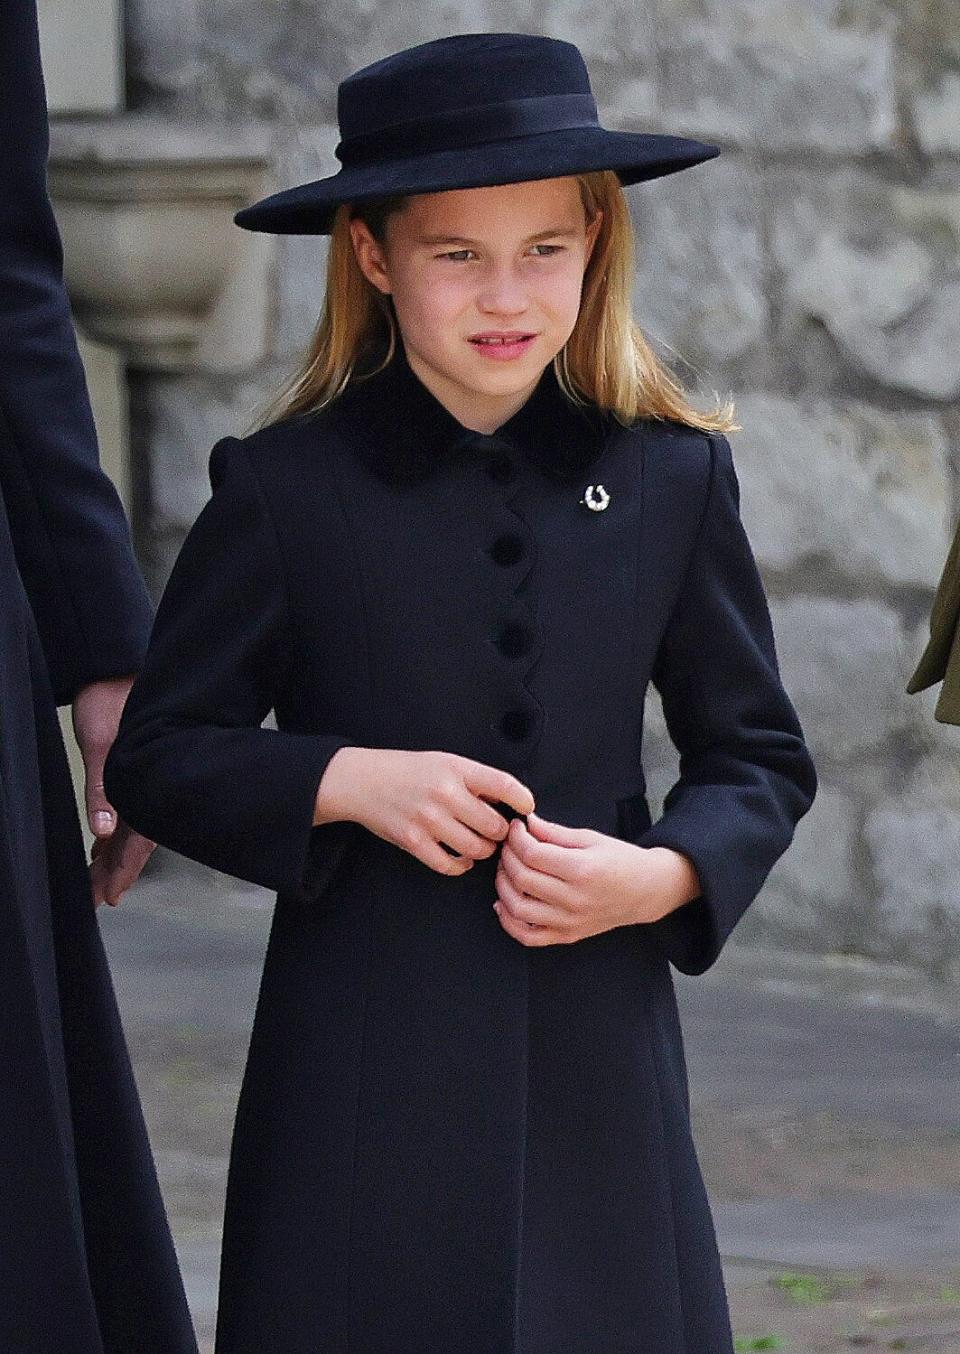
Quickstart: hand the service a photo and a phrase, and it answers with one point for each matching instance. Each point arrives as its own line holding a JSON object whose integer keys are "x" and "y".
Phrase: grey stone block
{"x": 844, "y": 663}
{"x": 813, "y": 897}
{"x": 699, "y": 293}
{"x": 914, "y": 841}
{"x": 781, "y": 84}
{"x": 936, "y": 116}
{"x": 876, "y": 265}
{"x": 870, "y": 490}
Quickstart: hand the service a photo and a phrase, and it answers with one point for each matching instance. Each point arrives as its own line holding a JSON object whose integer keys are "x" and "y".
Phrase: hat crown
{"x": 465, "y": 111}
{"x": 454, "y": 74}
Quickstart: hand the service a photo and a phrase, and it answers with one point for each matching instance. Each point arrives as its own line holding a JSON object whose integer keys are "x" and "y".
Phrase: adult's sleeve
{"x": 69, "y": 531}
{"x": 940, "y": 660}
{"x": 191, "y": 766}
{"x": 746, "y": 776}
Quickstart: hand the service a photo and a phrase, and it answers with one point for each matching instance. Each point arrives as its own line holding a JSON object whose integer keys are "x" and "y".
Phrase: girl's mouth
{"x": 502, "y": 349}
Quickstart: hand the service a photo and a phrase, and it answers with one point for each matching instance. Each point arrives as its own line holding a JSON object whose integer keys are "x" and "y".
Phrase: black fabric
{"x": 403, "y": 432}
{"x": 463, "y": 111}
{"x": 72, "y": 544}
{"x": 87, "y": 1263}
{"x": 471, "y": 126}
{"x": 446, "y": 1139}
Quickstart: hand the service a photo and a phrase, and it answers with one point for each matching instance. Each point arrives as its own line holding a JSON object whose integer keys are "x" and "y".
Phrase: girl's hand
{"x": 418, "y": 800}
{"x": 557, "y": 884}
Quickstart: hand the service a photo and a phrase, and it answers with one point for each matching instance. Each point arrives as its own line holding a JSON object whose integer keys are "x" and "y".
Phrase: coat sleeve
{"x": 746, "y": 776}
{"x": 191, "y": 767}
{"x": 940, "y": 660}
{"x": 69, "y": 532}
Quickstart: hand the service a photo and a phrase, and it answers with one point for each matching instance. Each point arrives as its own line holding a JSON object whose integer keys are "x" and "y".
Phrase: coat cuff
{"x": 940, "y": 660}
{"x": 252, "y": 814}
{"x": 317, "y": 850}
{"x": 123, "y": 660}
{"x": 692, "y": 935}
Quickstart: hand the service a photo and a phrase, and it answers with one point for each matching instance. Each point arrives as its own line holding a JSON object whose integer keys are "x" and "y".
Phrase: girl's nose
{"x": 503, "y": 292}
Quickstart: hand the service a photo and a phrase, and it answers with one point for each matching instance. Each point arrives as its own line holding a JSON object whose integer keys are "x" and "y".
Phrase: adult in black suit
{"x": 86, "y": 1258}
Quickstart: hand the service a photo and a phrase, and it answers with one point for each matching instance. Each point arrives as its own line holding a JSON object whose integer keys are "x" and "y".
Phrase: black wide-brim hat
{"x": 467, "y": 111}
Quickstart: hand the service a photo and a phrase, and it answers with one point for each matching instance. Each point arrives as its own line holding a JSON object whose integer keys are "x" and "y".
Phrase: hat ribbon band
{"x": 471, "y": 126}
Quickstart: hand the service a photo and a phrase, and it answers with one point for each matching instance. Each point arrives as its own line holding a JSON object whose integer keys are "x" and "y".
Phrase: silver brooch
{"x": 595, "y": 497}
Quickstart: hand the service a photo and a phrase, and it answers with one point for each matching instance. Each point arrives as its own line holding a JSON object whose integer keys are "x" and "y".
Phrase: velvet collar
{"x": 403, "y": 432}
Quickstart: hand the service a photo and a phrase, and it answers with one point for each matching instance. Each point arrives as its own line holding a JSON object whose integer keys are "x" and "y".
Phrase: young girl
{"x": 480, "y": 521}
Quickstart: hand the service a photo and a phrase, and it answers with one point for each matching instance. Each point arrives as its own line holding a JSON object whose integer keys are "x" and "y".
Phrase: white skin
{"x": 118, "y": 854}
{"x": 506, "y": 257}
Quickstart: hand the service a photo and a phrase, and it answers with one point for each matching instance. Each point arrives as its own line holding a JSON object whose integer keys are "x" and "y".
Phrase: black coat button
{"x": 516, "y": 724}
{"x": 507, "y": 549}
{"x": 513, "y": 639}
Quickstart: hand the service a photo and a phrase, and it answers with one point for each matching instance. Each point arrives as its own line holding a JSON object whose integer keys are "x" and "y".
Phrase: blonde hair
{"x": 606, "y": 359}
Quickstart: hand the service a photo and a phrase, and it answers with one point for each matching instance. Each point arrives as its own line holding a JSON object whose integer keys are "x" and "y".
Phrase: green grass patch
{"x": 802, "y": 1288}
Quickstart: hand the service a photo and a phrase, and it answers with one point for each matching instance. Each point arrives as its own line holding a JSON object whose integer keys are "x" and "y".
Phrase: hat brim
{"x": 309, "y": 208}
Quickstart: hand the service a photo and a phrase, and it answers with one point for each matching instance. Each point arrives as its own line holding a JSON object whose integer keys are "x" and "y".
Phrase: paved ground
{"x": 826, "y": 1104}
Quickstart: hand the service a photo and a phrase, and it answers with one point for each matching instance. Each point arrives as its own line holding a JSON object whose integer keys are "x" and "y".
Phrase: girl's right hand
{"x": 418, "y": 800}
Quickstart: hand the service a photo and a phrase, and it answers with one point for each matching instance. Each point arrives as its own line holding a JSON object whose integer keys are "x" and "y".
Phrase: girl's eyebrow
{"x": 562, "y": 232}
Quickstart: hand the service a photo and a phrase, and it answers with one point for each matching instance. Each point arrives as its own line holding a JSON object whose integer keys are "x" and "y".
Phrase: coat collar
{"x": 403, "y": 432}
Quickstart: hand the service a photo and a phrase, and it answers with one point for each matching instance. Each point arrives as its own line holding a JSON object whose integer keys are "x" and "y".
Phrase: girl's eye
{"x": 457, "y": 254}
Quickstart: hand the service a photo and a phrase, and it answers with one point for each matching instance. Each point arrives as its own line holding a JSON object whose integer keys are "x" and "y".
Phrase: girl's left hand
{"x": 557, "y": 884}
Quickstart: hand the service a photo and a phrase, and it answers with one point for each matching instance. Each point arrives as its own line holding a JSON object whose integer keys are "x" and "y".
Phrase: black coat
{"x": 86, "y": 1259}
{"x": 447, "y": 1140}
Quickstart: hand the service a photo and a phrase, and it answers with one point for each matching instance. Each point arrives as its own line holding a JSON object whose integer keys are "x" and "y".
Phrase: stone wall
{"x": 811, "y": 270}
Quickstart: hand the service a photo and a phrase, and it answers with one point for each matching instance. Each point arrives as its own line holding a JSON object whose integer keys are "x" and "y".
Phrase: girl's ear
{"x": 369, "y": 255}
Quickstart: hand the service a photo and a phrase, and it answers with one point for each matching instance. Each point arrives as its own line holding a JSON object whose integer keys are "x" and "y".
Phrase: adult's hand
{"x": 118, "y": 854}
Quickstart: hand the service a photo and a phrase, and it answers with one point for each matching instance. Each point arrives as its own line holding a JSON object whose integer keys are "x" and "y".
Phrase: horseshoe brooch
{"x": 595, "y": 497}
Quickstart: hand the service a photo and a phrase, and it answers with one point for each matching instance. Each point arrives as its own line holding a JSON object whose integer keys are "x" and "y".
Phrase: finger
{"x": 121, "y": 878}
{"x": 563, "y": 863}
{"x": 444, "y": 826}
{"x": 499, "y": 786}
{"x": 98, "y": 878}
{"x": 422, "y": 846}
{"x": 526, "y": 935}
{"x": 525, "y": 908}
{"x": 446, "y": 862}
{"x": 109, "y": 866}
{"x": 544, "y": 830}
{"x": 115, "y": 884}
{"x": 110, "y": 876}
{"x": 126, "y": 863}
{"x": 100, "y": 815}
{"x": 485, "y": 818}
{"x": 135, "y": 851}
{"x": 546, "y": 888}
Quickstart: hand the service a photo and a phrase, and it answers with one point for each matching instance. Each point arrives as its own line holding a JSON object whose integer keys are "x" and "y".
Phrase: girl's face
{"x": 507, "y": 260}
